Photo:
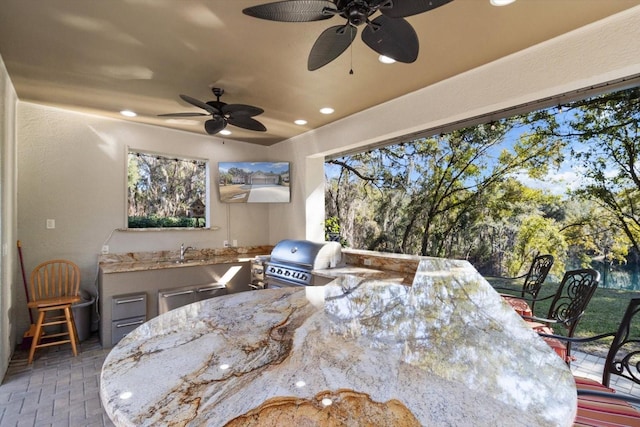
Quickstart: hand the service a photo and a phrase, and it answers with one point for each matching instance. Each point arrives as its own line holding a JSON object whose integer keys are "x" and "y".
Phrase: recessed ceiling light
{"x": 225, "y": 132}
{"x": 386, "y": 59}
{"x": 326, "y": 110}
{"x": 300, "y": 122}
{"x": 501, "y": 2}
{"x": 128, "y": 113}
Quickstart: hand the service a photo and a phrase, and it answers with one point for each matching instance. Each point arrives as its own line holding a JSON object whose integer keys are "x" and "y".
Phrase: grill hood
{"x": 308, "y": 254}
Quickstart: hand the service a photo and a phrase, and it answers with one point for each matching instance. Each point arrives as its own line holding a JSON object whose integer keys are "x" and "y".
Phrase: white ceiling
{"x": 103, "y": 56}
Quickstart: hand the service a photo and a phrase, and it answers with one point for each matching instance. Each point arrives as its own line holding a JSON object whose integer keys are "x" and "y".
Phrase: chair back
{"x": 623, "y": 358}
{"x": 54, "y": 279}
{"x": 572, "y": 297}
{"x": 536, "y": 276}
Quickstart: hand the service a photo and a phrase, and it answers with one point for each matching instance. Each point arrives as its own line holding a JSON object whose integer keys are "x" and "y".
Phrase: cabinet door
{"x": 168, "y": 300}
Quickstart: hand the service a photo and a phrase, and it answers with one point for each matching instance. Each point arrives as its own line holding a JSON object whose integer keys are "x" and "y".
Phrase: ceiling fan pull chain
{"x": 351, "y": 54}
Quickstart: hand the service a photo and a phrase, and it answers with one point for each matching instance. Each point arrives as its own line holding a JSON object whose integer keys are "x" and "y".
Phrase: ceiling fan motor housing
{"x": 357, "y": 12}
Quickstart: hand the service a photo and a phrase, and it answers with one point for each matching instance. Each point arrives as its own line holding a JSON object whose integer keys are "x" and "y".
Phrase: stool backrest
{"x": 55, "y": 278}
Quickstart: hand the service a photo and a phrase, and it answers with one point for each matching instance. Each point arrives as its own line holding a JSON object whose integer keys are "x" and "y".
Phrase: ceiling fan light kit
{"x": 239, "y": 115}
{"x": 389, "y": 34}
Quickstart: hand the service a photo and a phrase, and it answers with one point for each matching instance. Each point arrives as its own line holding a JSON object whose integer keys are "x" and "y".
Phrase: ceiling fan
{"x": 239, "y": 115}
{"x": 388, "y": 34}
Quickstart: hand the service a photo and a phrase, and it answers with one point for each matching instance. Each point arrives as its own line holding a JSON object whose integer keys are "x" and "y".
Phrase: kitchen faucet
{"x": 183, "y": 251}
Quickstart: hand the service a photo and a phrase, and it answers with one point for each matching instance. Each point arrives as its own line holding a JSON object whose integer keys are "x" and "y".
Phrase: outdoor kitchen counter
{"x": 382, "y": 266}
{"x": 445, "y": 351}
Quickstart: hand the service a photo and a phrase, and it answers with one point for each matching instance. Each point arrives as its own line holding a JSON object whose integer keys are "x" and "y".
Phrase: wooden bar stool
{"x": 55, "y": 286}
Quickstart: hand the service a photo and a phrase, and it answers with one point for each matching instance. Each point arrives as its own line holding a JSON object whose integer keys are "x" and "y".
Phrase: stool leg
{"x": 36, "y": 337}
{"x": 71, "y": 327}
{"x": 75, "y": 328}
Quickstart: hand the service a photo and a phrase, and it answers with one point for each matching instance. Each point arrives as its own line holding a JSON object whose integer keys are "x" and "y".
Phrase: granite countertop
{"x": 364, "y": 272}
{"x": 445, "y": 351}
{"x": 142, "y": 261}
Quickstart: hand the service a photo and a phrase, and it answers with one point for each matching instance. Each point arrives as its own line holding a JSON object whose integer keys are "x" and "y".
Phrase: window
{"x": 166, "y": 191}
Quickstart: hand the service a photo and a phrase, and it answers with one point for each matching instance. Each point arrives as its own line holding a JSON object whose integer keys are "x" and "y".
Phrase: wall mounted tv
{"x": 254, "y": 182}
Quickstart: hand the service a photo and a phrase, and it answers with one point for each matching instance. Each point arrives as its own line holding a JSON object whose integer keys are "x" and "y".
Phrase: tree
{"x": 425, "y": 195}
{"x": 603, "y": 133}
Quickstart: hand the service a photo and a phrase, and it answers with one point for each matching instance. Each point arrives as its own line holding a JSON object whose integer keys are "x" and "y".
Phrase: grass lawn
{"x": 603, "y": 314}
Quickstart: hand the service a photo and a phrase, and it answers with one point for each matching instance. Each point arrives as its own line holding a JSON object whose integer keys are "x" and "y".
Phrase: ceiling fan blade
{"x": 247, "y": 123}
{"x": 215, "y": 125}
{"x": 199, "y": 104}
{"x": 182, "y": 115}
{"x": 293, "y": 10}
{"x": 392, "y": 37}
{"x": 242, "y": 110}
{"x": 331, "y": 43}
{"x": 404, "y": 8}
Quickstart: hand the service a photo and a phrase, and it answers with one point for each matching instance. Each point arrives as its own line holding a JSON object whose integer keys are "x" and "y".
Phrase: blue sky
{"x": 275, "y": 167}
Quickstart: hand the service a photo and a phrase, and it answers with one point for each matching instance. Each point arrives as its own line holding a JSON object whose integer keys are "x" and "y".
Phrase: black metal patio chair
{"x": 567, "y": 307}
{"x": 533, "y": 279}
{"x": 598, "y": 403}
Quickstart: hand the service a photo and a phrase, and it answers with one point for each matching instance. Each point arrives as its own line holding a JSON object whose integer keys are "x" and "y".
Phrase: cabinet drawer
{"x": 120, "y": 328}
{"x": 126, "y": 306}
{"x": 209, "y": 291}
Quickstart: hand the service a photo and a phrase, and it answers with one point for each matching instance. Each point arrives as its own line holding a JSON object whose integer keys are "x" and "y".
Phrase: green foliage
{"x": 162, "y": 222}
{"x": 537, "y": 235}
{"x": 332, "y": 231}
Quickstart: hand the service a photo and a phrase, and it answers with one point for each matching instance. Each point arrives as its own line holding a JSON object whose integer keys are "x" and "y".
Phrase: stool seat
{"x": 49, "y": 302}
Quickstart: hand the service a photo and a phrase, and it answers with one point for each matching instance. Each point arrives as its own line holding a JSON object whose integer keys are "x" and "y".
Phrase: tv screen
{"x": 254, "y": 182}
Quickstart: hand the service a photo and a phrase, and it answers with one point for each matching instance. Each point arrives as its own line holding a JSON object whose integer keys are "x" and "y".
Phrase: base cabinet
{"x": 116, "y": 320}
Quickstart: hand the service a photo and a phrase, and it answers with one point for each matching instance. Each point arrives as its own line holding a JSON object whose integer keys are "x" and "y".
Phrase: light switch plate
{"x": 51, "y": 224}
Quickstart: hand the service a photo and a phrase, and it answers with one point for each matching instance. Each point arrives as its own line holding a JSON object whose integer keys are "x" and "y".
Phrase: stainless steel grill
{"x": 292, "y": 261}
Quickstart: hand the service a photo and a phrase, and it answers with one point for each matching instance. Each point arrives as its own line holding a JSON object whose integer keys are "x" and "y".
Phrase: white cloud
{"x": 556, "y": 183}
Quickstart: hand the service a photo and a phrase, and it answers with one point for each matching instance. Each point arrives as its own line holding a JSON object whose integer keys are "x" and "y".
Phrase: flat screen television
{"x": 254, "y": 182}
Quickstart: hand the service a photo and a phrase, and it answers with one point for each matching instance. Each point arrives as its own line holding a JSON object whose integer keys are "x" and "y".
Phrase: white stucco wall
{"x": 10, "y": 286}
{"x": 72, "y": 169}
{"x": 598, "y": 53}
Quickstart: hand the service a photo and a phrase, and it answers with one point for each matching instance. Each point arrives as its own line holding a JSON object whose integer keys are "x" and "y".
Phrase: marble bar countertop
{"x": 445, "y": 351}
{"x": 158, "y": 260}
